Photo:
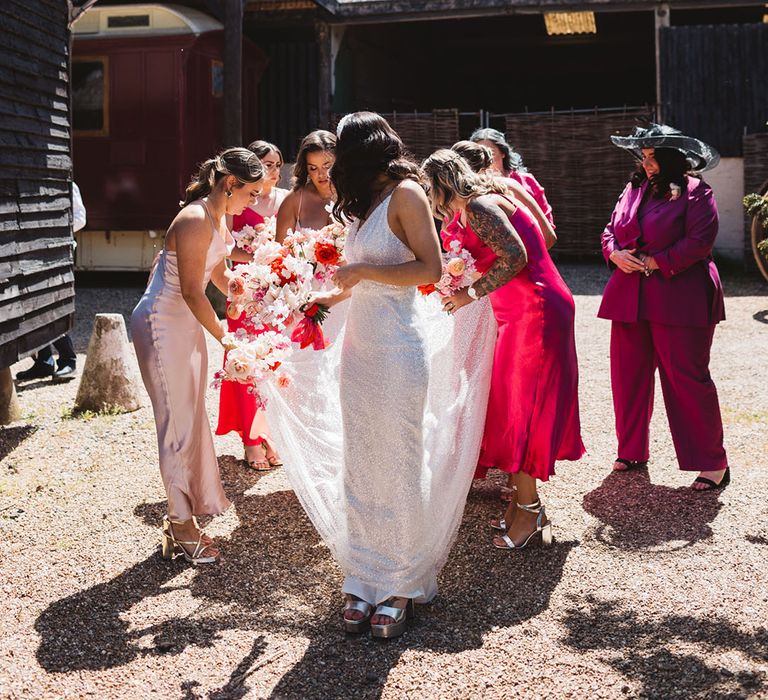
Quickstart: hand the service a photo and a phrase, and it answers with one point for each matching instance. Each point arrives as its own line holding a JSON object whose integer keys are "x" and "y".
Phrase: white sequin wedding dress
{"x": 381, "y": 432}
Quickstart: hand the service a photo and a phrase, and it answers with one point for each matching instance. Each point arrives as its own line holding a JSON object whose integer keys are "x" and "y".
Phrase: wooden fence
{"x": 755, "y": 180}
{"x": 583, "y": 173}
{"x": 37, "y": 295}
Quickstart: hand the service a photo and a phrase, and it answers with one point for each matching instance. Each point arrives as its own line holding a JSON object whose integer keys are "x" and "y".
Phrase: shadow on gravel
{"x": 641, "y": 650}
{"x": 11, "y": 438}
{"x": 637, "y": 514}
{"x": 276, "y": 576}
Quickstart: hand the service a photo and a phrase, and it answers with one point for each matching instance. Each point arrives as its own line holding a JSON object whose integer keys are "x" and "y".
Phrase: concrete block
{"x": 110, "y": 378}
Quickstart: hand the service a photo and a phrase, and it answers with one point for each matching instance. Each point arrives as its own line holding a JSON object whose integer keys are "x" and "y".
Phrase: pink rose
{"x": 456, "y": 267}
{"x": 236, "y": 287}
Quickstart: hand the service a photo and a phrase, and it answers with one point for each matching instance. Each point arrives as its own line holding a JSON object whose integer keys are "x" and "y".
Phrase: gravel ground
{"x": 649, "y": 591}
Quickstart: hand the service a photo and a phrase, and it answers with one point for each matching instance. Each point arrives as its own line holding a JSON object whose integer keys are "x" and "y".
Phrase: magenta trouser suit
{"x": 667, "y": 321}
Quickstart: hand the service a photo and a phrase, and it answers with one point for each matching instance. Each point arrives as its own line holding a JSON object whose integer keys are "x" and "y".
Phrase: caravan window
{"x": 89, "y": 95}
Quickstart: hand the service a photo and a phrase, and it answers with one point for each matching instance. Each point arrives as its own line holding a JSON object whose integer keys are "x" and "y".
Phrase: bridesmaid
{"x": 509, "y": 163}
{"x": 480, "y": 159}
{"x": 533, "y": 407}
{"x": 167, "y": 328}
{"x": 237, "y": 407}
{"x": 307, "y": 205}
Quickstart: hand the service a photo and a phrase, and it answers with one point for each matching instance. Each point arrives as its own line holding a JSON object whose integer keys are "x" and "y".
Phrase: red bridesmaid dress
{"x": 533, "y": 406}
{"x": 237, "y": 407}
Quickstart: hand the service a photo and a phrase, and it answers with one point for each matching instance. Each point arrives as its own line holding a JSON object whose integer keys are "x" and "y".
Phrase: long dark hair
{"x": 510, "y": 159}
{"x": 240, "y": 162}
{"x": 313, "y": 142}
{"x": 673, "y": 169}
{"x": 262, "y": 148}
{"x": 367, "y": 147}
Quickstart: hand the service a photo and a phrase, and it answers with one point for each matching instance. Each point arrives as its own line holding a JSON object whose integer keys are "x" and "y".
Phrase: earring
{"x": 229, "y": 193}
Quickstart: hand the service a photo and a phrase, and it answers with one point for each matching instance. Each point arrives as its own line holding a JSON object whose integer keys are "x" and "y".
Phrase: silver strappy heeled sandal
{"x": 501, "y": 524}
{"x": 357, "y": 626}
{"x": 399, "y": 615}
{"x": 545, "y": 528}
{"x": 170, "y": 546}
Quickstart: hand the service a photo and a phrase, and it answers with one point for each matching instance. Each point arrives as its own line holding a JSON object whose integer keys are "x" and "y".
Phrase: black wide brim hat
{"x": 700, "y": 155}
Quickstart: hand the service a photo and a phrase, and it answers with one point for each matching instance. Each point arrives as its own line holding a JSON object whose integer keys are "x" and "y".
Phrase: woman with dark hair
{"x": 167, "y": 328}
{"x": 508, "y": 163}
{"x": 237, "y": 405}
{"x": 380, "y": 449}
{"x": 664, "y": 299}
{"x": 306, "y": 207}
{"x": 533, "y": 407}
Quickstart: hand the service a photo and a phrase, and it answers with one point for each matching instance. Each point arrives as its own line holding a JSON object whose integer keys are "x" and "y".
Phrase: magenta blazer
{"x": 679, "y": 234}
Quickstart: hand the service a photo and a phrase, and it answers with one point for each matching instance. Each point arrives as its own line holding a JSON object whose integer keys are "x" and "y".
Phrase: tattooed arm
{"x": 492, "y": 226}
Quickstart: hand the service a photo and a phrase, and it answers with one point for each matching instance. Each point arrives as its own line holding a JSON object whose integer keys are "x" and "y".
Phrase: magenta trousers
{"x": 681, "y": 354}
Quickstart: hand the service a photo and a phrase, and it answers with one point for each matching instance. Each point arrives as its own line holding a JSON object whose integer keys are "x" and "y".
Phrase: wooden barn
{"x": 557, "y": 76}
{"x": 36, "y": 264}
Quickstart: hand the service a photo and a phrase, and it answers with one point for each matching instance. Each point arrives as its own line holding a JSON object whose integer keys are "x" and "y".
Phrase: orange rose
{"x": 327, "y": 254}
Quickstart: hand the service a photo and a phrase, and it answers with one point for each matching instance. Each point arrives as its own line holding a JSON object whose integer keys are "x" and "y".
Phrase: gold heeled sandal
{"x": 274, "y": 461}
{"x": 170, "y": 546}
{"x": 258, "y": 465}
{"x": 545, "y": 528}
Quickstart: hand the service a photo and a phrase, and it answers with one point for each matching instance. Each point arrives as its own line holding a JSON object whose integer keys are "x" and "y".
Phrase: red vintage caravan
{"x": 147, "y": 102}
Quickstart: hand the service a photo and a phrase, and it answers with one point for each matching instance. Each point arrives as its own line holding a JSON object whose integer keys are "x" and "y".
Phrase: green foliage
{"x": 75, "y": 413}
{"x": 757, "y": 206}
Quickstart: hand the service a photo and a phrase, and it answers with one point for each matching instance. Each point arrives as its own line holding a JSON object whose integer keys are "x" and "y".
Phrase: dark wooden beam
{"x": 374, "y": 11}
{"x": 325, "y": 66}
{"x": 233, "y": 73}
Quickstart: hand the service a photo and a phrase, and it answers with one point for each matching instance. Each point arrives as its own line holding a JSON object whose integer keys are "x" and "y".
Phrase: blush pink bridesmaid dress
{"x": 173, "y": 358}
{"x": 533, "y": 407}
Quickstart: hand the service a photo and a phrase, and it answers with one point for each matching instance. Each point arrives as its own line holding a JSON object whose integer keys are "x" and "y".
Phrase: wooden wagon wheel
{"x": 760, "y": 234}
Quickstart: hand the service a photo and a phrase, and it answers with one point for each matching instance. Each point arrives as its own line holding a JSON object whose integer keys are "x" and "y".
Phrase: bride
{"x": 382, "y": 431}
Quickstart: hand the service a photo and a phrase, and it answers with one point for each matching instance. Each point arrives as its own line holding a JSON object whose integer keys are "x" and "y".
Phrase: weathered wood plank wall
{"x": 36, "y": 263}
{"x": 714, "y": 83}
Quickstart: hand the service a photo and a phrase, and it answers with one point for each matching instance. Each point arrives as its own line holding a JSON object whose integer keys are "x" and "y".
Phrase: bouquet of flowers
{"x": 271, "y": 289}
{"x": 322, "y": 248}
{"x": 249, "y": 238}
{"x": 459, "y": 271}
{"x": 251, "y": 359}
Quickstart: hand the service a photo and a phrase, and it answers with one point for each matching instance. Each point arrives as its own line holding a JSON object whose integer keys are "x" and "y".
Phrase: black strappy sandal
{"x": 711, "y": 485}
{"x": 630, "y": 465}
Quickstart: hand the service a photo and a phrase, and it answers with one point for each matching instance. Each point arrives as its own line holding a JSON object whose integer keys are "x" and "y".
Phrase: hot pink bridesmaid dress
{"x": 533, "y": 407}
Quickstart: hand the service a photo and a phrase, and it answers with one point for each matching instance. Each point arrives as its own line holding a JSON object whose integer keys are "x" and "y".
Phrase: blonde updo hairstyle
{"x": 447, "y": 175}
{"x": 238, "y": 162}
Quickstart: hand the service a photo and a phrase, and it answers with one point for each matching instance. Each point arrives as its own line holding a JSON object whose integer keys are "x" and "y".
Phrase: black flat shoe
{"x": 630, "y": 465}
{"x": 39, "y": 370}
{"x": 712, "y": 485}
